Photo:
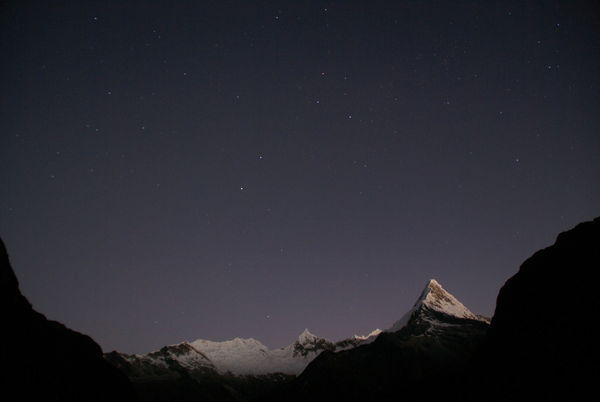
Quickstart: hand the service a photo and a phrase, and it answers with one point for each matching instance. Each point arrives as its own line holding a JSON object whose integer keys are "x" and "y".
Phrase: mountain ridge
{"x": 248, "y": 356}
{"x": 435, "y": 309}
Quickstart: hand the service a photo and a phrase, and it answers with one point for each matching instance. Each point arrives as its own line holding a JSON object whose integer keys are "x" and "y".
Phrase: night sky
{"x": 180, "y": 170}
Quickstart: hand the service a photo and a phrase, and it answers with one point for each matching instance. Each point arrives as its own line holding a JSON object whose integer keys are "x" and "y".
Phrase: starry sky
{"x": 217, "y": 169}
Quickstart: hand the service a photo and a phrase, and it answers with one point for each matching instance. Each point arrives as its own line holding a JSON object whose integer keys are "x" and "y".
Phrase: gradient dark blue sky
{"x": 183, "y": 170}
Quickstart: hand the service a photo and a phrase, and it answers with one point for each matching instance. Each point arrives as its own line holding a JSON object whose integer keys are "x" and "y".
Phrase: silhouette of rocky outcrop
{"x": 543, "y": 340}
{"x": 45, "y": 361}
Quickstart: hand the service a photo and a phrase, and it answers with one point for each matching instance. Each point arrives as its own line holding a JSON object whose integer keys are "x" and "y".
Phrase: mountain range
{"x": 435, "y": 314}
{"x": 237, "y": 356}
{"x": 541, "y": 345}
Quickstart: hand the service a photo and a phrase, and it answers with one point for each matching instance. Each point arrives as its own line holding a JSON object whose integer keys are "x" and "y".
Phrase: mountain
{"x": 249, "y": 357}
{"x": 241, "y": 357}
{"x": 541, "y": 344}
{"x": 45, "y": 361}
{"x": 543, "y": 339}
{"x": 434, "y": 300}
{"x": 438, "y": 331}
{"x": 236, "y": 370}
{"x": 421, "y": 357}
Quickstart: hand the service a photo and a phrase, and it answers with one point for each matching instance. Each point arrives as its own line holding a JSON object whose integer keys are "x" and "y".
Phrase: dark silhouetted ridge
{"x": 543, "y": 340}
{"x": 45, "y": 361}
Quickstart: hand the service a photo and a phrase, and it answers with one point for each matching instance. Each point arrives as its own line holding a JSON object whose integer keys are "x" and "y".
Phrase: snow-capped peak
{"x": 373, "y": 333}
{"x": 306, "y": 336}
{"x": 435, "y": 297}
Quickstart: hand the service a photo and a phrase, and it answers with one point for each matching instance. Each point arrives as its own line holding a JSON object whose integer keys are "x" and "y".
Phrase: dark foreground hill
{"x": 44, "y": 360}
{"x": 543, "y": 340}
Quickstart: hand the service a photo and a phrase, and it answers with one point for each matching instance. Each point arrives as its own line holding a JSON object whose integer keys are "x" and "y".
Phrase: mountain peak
{"x": 433, "y": 283}
{"x": 306, "y": 336}
{"x": 435, "y": 297}
{"x": 435, "y": 293}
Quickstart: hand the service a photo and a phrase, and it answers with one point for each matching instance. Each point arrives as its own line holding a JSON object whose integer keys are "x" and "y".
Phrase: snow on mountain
{"x": 238, "y": 356}
{"x": 435, "y": 298}
{"x": 250, "y": 357}
{"x": 245, "y": 356}
{"x": 373, "y": 334}
{"x": 306, "y": 337}
{"x": 183, "y": 354}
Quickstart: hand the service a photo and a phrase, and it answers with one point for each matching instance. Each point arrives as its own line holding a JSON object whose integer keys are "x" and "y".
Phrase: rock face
{"x": 44, "y": 360}
{"x": 543, "y": 340}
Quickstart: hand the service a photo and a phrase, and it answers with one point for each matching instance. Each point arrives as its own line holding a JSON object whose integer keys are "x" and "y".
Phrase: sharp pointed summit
{"x": 435, "y": 299}
{"x": 306, "y": 336}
